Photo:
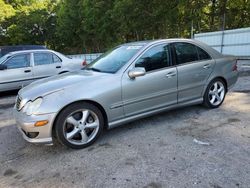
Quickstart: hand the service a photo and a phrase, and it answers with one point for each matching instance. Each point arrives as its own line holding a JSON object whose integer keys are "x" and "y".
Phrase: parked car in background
{"x": 131, "y": 81}
{"x": 20, "y": 68}
{"x": 7, "y": 49}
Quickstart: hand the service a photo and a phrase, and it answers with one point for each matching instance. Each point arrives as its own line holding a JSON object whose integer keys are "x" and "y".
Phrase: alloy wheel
{"x": 216, "y": 93}
{"x": 81, "y": 127}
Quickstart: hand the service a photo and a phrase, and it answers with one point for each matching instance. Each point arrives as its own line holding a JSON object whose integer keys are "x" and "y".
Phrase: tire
{"x": 214, "y": 96}
{"x": 79, "y": 125}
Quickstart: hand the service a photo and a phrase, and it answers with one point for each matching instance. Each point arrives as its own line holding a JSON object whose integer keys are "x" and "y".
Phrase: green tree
{"x": 80, "y": 26}
{"x": 6, "y": 11}
{"x": 68, "y": 25}
{"x": 31, "y": 24}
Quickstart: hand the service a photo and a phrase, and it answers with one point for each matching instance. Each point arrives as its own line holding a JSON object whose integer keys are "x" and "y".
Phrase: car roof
{"x": 28, "y": 45}
{"x": 137, "y": 43}
{"x": 158, "y": 40}
{"x": 210, "y": 50}
{"x": 28, "y": 51}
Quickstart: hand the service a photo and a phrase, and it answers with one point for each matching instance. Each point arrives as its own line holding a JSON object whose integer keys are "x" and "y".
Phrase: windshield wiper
{"x": 94, "y": 69}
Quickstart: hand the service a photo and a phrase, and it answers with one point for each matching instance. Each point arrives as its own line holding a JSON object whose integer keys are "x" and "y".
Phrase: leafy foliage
{"x": 82, "y": 26}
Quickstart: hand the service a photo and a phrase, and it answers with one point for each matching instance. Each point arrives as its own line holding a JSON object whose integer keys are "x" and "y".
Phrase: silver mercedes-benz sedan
{"x": 20, "y": 68}
{"x": 131, "y": 81}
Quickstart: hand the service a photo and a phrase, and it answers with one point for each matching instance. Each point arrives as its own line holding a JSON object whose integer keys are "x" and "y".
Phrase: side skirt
{"x": 156, "y": 111}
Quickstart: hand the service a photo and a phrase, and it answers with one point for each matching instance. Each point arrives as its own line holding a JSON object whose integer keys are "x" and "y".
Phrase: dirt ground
{"x": 159, "y": 151}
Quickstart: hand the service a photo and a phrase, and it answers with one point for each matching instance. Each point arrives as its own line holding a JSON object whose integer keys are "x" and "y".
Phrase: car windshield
{"x": 4, "y": 58}
{"x": 114, "y": 60}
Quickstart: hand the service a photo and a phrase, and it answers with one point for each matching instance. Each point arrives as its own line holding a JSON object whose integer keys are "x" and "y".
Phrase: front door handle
{"x": 26, "y": 71}
{"x": 170, "y": 74}
{"x": 207, "y": 66}
{"x": 58, "y": 67}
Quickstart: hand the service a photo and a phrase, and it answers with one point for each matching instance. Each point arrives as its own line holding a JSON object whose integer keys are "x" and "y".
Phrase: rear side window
{"x": 43, "y": 58}
{"x": 203, "y": 55}
{"x": 155, "y": 58}
{"x": 185, "y": 53}
{"x": 56, "y": 59}
{"x": 18, "y": 61}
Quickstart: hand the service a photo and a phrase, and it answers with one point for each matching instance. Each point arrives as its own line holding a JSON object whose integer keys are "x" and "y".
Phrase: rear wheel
{"x": 79, "y": 125}
{"x": 215, "y": 93}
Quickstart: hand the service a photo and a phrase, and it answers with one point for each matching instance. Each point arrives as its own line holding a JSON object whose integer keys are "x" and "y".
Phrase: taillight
{"x": 235, "y": 67}
{"x": 84, "y": 63}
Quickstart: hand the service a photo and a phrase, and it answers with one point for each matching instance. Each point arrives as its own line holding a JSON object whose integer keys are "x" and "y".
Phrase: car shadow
{"x": 8, "y": 93}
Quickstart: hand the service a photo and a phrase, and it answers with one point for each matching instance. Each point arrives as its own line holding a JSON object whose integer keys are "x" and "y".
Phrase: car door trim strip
{"x": 23, "y": 80}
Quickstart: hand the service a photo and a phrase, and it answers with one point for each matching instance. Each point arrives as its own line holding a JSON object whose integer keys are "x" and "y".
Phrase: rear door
{"x": 194, "y": 66}
{"x": 157, "y": 88}
{"x": 46, "y": 64}
{"x": 19, "y": 72}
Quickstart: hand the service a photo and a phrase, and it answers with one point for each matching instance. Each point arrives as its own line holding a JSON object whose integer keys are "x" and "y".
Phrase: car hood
{"x": 53, "y": 84}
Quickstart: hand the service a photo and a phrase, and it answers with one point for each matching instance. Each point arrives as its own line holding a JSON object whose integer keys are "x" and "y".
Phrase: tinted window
{"x": 18, "y": 61}
{"x": 202, "y": 54}
{"x": 56, "y": 59}
{"x": 185, "y": 53}
{"x": 43, "y": 58}
{"x": 155, "y": 58}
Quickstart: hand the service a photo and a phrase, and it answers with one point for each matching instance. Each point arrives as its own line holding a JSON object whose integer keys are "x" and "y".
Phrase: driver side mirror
{"x": 136, "y": 72}
{"x": 3, "y": 67}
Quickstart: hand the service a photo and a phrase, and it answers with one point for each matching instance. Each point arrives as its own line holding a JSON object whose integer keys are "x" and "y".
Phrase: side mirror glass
{"x": 3, "y": 67}
{"x": 136, "y": 72}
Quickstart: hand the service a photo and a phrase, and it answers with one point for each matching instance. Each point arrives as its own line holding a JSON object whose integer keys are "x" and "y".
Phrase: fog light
{"x": 32, "y": 134}
{"x": 41, "y": 123}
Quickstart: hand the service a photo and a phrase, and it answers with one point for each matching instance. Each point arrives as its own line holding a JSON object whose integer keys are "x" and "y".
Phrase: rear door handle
{"x": 26, "y": 71}
{"x": 207, "y": 66}
{"x": 58, "y": 67}
{"x": 171, "y": 74}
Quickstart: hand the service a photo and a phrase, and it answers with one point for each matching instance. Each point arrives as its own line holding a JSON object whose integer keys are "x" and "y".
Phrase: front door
{"x": 157, "y": 88}
{"x": 18, "y": 73}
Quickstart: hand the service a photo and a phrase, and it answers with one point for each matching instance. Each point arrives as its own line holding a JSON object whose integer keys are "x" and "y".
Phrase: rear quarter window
{"x": 56, "y": 59}
{"x": 203, "y": 55}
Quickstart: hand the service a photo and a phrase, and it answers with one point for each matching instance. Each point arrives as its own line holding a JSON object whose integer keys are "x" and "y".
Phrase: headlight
{"x": 31, "y": 106}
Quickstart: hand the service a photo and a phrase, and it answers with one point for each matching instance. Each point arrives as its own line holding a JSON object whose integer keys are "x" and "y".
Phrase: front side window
{"x": 43, "y": 58}
{"x": 155, "y": 58}
{"x": 185, "y": 52}
{"x": 3, "y": 58}
{"x": 18, "y": 61}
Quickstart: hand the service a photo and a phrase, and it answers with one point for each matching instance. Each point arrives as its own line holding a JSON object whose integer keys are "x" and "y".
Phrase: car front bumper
{"x": 31, "y": 133}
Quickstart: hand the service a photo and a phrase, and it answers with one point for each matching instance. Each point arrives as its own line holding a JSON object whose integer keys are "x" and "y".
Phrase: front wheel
{"x": 79, "y": 125}
{"x": 215, "y": 93}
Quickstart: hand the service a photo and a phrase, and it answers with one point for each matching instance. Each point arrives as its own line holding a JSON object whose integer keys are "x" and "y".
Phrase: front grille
{"x": 18, "y": 103}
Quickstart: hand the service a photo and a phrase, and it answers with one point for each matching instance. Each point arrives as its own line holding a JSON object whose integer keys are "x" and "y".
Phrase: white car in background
{"x": 20, "y": 68}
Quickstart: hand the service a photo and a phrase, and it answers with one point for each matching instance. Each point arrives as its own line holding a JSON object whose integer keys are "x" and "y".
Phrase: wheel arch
{"x": 99, "y": 106}
{"x": 212, "y": 79}
{"x": 206, "y": 102}
{"x": 65, "y": 71}
{"x": 224, "y": 80}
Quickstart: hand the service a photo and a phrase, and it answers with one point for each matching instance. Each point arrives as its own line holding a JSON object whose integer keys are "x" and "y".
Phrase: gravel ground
{"x": 154, "y": 152}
